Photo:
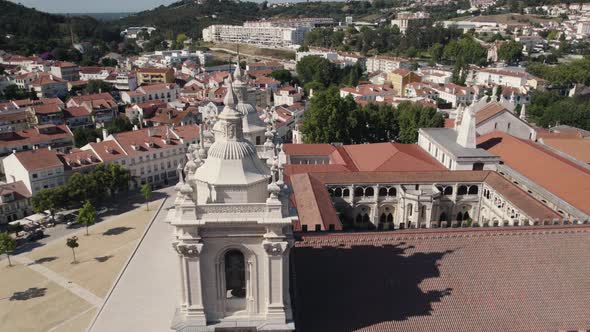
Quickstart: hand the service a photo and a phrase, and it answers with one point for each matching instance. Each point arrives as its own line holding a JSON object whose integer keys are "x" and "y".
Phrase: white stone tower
{"x": 232, "y": 235}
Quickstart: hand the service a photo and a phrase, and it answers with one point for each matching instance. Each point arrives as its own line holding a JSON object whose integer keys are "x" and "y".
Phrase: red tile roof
{"x": 34, "y": 160}
{"x": 35, "y": 135}
{"x": 18, "y": 190}
{"x": 460, "y": 280}
{"x": 558, "y": 175}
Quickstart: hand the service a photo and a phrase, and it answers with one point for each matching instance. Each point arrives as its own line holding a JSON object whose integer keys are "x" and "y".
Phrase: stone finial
{"x": 230, "y": 100}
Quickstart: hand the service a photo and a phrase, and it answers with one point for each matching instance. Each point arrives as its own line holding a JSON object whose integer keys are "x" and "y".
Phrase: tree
{"x": 510, "y": 52}
{"x": 7, "y": 245}
{"x": 95, "y": 86}
{"x": 326, "y": 120}
{"x": 283, "y": 75}
{"x": 72, "y": 242}
{"x": 146, "y": 191}
{"x": 412, "y": 117}
{"x": 108, "y": 62}
{"x": 87, "y": 215}
{"x": 50, "y": 199}
{"x": 114, "y": 177}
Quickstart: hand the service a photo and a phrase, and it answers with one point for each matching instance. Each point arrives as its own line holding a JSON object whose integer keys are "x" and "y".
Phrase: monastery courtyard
{"x": 43, "y": 291}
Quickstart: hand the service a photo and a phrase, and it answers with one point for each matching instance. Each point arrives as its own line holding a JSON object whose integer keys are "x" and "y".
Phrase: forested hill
{"x": 25, "y": 30}
{"x": 191, "y": 18}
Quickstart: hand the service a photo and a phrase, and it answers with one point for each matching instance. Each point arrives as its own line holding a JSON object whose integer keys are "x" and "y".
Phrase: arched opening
{"x": 358, "y": 192}
{"x": 235, "y": 281}
{"x": 459, "y": 216}
{"x": 462, "y": 190}
{"x": 477, "y": 166}
{"x": 448, "y": 191}
{"x": 443, "y": 217}
{"x": 473, "y": 190}
{"x": 338, "y": 192}
{"x": 366, "y": 219}
{"x": 369, "y": 192}
{"x": 346, "y": 192}
{"x": 382, "y": 191}
{"x": 466, "y": 215}
{"x": 331, "y": 192}
{"x": 392, "y": 192}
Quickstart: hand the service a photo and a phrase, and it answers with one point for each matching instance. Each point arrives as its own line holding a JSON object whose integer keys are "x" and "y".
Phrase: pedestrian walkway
{"x": 76, "y": 289}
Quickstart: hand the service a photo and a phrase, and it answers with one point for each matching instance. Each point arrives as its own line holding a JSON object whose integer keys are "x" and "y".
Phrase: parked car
{"x": 35, "y": 235}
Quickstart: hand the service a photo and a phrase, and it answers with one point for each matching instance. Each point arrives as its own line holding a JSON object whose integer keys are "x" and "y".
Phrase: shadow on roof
{"x": 350, "y": 288}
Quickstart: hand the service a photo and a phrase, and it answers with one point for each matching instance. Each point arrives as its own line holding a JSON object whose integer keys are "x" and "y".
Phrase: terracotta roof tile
{"x": 460, "y": 280}
{"x": 558, "y": 175}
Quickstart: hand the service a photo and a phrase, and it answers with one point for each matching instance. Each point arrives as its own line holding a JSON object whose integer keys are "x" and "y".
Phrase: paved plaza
{"x": 43, "y": 291}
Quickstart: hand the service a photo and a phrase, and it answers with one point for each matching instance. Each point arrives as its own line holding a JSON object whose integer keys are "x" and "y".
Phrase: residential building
{"x": 456, "y": 94}
{"x": 259, "y": 35}
{"x": 167, "y": 92}
{"x": 288, "y": 95}
{"x": 400, "y": 77}
{"x": 66, "y": 71}
{"x": 491, "y": 76}
{"x": 58, "y": 137}
{"x": 38, "y": 169}
{"x": 122, "y": 81}
{"x": 368, "y": 92}
{"x": 386, "y": 64}
{"x": 152, "y": 155}
{"x": 15, "y": 202}
{"x": 95, "y": 73}
{"x": 405, "y": 20}
{"x": 102, "y": 106}
{"x": 154, "y": 75}
{"x": 48, "y": 86}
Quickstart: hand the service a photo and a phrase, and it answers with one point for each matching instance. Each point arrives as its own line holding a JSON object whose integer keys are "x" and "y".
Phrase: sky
{"x": 92, "y": 6}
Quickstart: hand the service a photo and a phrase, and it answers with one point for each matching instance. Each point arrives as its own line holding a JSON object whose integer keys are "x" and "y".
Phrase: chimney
{"x": 49, "y": 147}
{"x": 105, "y": 134}
{"x": 135, "y": 127}
{"x": 98, "y": 140}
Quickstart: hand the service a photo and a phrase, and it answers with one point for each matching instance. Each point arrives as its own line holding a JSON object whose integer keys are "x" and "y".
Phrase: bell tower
{"x": 232, "y": 235}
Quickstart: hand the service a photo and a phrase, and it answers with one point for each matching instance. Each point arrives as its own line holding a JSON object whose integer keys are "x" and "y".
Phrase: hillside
{"x": 191, "y": 18}
{"x": 27, "y": 31}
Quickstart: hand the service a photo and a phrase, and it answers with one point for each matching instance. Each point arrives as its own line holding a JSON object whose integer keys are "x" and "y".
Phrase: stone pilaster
{"x": 277, "y": 252}
{"x": 192, "y": 293}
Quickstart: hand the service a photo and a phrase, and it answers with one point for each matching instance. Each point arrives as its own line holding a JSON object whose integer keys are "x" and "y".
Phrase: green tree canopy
{"x": 510, "y": 52}
{"x": 332, "y": 119}
{"x": 146, "y": 191}
{"x": 87, "y": 215}
{"x": 7, "y": 245}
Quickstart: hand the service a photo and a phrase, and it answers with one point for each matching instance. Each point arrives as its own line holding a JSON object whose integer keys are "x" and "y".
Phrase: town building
{"x": 38, "y": 169}
{"x": 269, "y": 36}
{"x": 167, "y": 92}
{"x": 15, "y": 202}
{"x": 154, "y": 75}
{"x": 405, "y": 20}
{"x": 66, "y": 71}
{"x": 400, "y": 77}
{"x": 102, "y": 106}
{"x": 58, "y": 137}
{"x": 385, "y": 64}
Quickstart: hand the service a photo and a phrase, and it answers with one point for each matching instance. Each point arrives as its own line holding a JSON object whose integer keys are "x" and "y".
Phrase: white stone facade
{"x": 232, "y": 235}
